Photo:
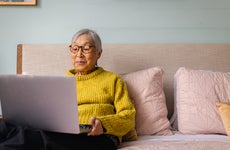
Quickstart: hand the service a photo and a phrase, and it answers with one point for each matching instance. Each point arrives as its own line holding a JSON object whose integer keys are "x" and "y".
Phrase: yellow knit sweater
{"x": 103, "y": 94}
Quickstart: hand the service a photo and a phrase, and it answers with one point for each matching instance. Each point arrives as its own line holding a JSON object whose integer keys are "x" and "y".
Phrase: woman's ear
{"x": 99, "y": 54}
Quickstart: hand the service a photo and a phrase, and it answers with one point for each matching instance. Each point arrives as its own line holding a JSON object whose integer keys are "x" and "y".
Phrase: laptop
{"x": 41, "y": 102}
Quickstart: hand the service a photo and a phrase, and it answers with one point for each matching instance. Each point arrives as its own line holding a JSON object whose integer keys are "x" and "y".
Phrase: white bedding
{"x": 177, "y": 136}
{"x": 179, "y": 141}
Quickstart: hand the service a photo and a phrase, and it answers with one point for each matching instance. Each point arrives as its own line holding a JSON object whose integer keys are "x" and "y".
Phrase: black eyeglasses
{"x": 86, "y": 49}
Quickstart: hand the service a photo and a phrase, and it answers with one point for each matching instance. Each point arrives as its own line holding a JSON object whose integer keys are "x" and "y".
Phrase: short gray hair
{"x": 92, "y": 34}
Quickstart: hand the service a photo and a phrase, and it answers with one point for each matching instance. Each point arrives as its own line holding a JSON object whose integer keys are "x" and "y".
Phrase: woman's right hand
{"x": 97, "y": 128}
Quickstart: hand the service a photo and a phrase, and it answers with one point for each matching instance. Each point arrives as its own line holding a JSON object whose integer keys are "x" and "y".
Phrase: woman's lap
{"x": 22, "y": 138}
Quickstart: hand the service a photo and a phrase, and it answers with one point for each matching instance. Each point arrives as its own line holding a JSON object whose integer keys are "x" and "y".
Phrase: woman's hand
{"x": 97, "y": 128}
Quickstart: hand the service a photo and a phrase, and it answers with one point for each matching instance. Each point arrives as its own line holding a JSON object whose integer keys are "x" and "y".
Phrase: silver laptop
{"x": 44, "y": 102}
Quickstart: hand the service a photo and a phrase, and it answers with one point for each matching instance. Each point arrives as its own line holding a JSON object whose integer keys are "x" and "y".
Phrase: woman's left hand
{"x": 97, "y": 128}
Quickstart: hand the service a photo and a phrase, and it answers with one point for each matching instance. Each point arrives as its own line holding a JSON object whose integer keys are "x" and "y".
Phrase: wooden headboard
{"x": 54, "y": 59}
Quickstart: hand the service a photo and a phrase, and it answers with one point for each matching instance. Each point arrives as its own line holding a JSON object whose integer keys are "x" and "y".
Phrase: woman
{"x": 103, "y": 103}
{"x": 103, "y": 100}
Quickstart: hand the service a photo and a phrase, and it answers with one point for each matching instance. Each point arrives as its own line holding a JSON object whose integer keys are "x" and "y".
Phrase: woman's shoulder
{"x": 111, "y": 73}
{"x": 71, "y": 72}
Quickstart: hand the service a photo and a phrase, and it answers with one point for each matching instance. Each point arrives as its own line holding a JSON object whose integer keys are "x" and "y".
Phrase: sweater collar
{"x": 72, "y": 72}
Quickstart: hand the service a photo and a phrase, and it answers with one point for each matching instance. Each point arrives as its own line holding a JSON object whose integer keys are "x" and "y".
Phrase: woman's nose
{"x": 79, "y": 53}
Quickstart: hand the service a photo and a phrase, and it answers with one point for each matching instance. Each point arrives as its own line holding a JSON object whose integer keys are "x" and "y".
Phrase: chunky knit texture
{"x": 103, "y": 94}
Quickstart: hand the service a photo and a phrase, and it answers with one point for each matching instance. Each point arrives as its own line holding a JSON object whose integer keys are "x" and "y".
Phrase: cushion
{"x": 197, "y": 92}
{"x": 145, "y": 88}
{"x": 224, "y": 109}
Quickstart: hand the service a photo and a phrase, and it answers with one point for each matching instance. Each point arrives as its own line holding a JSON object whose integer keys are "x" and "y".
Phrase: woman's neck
{"x": 81, "y": 73}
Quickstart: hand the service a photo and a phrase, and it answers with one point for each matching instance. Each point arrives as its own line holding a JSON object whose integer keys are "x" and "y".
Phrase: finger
{"x": 92, "y": 132}
{"x": 97, "y": 128}
{"x": 92, "y": 121}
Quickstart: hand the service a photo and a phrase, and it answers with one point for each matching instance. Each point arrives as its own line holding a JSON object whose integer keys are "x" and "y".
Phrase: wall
{"x": 117, "y": 21}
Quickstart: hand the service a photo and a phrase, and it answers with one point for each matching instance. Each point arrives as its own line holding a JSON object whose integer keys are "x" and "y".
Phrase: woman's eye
{"x": 86, "y": 47}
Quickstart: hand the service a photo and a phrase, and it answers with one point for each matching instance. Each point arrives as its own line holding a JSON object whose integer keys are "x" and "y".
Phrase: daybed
{"x": 175, "y": 89}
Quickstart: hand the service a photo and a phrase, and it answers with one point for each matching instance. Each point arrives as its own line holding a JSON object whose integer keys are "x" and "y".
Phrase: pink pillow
{"x": 197, "y": 92}
{"x": 146, "y": 90}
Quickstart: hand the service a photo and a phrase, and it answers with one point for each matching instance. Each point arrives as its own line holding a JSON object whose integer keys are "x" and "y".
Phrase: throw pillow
{"x": 224, "y": 109}
{"x": 197, "y": 92}
{"x": 146, "y": 90}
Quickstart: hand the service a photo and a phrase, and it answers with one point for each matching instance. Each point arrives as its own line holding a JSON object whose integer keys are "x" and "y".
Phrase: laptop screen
{"x": 38, "y": 101}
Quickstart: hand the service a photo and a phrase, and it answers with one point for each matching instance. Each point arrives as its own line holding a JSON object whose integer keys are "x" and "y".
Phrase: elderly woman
{"x": 103, "y": 100}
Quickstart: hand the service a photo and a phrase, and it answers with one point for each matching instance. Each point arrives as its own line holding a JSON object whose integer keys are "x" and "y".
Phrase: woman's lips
{"x": 80, "y": 62}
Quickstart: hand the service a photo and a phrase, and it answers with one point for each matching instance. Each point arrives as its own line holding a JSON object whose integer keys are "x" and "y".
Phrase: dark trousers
{"x": 23, "y": 138}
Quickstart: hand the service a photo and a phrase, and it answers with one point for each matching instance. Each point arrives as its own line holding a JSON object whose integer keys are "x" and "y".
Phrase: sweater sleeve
{"x": 124, "y": 119}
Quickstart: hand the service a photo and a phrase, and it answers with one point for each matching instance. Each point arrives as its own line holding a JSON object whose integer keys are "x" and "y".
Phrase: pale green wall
{"x": 117, "y": 21}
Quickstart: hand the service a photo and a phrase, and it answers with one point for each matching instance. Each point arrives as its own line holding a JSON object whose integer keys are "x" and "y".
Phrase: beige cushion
{"x": 224, "y": 109}
{"x": 146, "y": 90}
{"x": 197, "y": 92}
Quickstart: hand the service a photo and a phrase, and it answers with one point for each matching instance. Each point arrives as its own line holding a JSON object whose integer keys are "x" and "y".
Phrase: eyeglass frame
{"x": 89, "y": 50}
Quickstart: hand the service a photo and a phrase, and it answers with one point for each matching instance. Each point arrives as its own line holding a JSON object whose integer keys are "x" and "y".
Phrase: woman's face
{"x": 84, "y": 62}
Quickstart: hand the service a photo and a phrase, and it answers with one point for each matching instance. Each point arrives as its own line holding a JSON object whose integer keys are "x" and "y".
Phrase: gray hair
{"x": 92, "y": 34}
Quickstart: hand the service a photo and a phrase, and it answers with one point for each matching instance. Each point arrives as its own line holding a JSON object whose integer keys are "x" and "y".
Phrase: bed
{"x": 179, "y": 90}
